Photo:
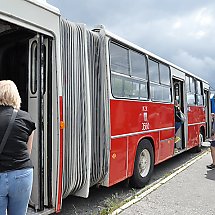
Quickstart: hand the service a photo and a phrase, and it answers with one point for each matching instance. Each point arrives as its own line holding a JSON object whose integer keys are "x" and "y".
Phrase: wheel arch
{"x": 136, "y": 180}
{"x": 150, "y": 139}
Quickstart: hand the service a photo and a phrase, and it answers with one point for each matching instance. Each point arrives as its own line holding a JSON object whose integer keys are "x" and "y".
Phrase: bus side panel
{"x": 166, "y": 146}
{"x": 196, "y": 116}
{"x": 118, "y": 160}
{"x": 130, "y": 122}
{"x": 128, "y": 117}
{"x": 122, "y": 155}
{"x": 193, "y": 131}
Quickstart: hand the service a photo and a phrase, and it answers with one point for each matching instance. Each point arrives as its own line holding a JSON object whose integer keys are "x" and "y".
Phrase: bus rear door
{"x": 38, "y": 109}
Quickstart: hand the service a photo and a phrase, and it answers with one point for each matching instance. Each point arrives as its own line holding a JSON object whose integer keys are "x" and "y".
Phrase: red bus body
{"x": 127, "y": 130}
{"x": 134, "y": 120}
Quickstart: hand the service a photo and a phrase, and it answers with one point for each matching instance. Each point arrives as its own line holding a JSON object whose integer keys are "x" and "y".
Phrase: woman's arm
{"x": 30, "y": 141}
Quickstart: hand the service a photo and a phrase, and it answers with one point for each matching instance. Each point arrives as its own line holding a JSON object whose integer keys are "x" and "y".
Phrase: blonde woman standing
{"x": 16, "y": 169}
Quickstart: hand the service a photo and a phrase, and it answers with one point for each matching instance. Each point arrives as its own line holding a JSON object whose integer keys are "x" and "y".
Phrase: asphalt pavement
{"x": 189, "y": 190}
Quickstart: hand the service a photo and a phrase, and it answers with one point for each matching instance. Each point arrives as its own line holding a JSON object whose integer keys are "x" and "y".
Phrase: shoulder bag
{"x": 8, "y": 130}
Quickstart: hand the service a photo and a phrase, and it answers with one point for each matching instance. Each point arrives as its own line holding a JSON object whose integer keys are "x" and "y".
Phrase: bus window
{"x": 127, "y": 88}
{"x": 33, "y": 72}
{"x": 126, "y": 82}
{"x": 153, "y": 71}
{"x": 156, "y": 93}
{"x": 164, "y": 74}
{"x": 135, "y": 90}
{"x": 117, "y": 85}
{"x": 199, "y": 93}
{"x": 119, "y": 59}
{"x": 190, "y": 83}
{"x": 138, "y": 65}
{"x": 166, "y": 93}
{"x": 187, "y": 82}
{"x": 160, "y": 93}
{"x": 143, "y": 91}
{"x": 159, "y": 76}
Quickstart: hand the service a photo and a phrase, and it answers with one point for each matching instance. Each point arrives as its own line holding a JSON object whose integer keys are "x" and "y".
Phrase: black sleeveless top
{"x": 15, "y": 153}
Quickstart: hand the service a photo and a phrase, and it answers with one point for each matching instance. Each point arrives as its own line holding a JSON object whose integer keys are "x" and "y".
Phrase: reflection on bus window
{"x": 128, "y": 73}
{"x": 192, "y": 85}
{"x": 153, "y": 71}
{"x": 187, "y": 80}
{"x": 138, "y": 65}
{"x": 117, "y": 86}
{"x": 159, "y": 77}
{"x": 119, "y": 59}
{"x": 143, "y": 91}
{"x": 194, "y": 91}
{"x": 135, "y": 90}
{"x": 199, "y": 93}
{"x": 123, "y": 87}
{"x": 160, "y": 93}
{"x": 164, "y": 74}
{"x": 190, "y": 98}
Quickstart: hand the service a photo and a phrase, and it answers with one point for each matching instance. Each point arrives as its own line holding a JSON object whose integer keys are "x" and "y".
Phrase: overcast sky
{"x": 182, "y": 32}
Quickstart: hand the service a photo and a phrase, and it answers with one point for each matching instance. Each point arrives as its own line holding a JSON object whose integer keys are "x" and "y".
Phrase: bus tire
{"x": 143, "y": 165}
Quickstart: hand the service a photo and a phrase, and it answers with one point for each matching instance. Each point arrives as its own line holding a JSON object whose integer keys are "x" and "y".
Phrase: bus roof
{"x": 36, "y": 15}
{"x": 45, "y": 5}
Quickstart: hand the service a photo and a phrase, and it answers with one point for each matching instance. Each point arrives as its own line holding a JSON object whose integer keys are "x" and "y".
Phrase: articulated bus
{"x": 103, "y": 107}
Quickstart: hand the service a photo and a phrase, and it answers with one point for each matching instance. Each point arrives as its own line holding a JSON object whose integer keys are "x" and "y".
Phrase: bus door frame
{"x": 181, "y": 98}
{"x": 40, "y": 109}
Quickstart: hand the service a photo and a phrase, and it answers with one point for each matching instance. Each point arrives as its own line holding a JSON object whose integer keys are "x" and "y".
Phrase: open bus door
{"x": 27, "y": 62}
{"x": 178, "y": 92}
{"x": 39, "y": 105}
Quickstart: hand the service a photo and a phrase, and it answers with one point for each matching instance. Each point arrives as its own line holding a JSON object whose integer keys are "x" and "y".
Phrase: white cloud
{"x": 179, "y": 31}
{"x": 177, "y": 24}
{"x": 204, "y": 17}
{"x": 203, "y": 67}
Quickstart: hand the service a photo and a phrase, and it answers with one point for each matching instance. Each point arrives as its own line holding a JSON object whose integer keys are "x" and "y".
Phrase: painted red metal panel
{"x": 130, "y": 116}
{"x": 196, "y": 115}
{"x": 130, "y": 122}
{"x": 166, "y": 145}
{"x": 118, "y": 160}
{"x": 193, "y": 132}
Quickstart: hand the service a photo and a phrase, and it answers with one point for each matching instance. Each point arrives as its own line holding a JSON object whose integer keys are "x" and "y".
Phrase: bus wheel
{"x": 144, "y": 165}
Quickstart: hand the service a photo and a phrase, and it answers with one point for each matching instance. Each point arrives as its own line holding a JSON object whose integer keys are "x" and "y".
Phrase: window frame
{"x": 130, "y": 76}
{"x": 189, "y": 90}
{"x": 201, "y": 93}
{"x": 159, "y": 83}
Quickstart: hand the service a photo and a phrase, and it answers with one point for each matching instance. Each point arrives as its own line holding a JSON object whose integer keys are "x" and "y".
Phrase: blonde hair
{"x": 9, "y": 94}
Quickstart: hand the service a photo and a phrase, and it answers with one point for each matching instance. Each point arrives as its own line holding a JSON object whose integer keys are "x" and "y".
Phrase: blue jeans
{"x": 15, "y": 191}
{"x": 177, "y": 126}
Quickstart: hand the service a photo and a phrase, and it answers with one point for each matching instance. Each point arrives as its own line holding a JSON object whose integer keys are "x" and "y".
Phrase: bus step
{"x": 31, "y": 211}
